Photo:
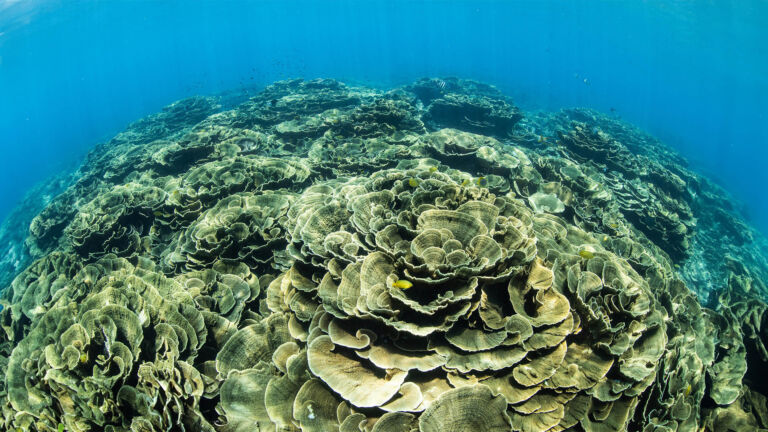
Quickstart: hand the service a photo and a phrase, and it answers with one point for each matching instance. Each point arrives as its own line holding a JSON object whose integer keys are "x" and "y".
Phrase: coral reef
{"x": 323, "y": 257}
{"x": 15, "y": 256}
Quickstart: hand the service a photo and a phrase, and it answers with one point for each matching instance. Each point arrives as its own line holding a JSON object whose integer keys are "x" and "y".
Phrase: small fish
{"x": 402, "y": 284}
{"x": 465, "y": 182}
{"x": 61, "y": 427}
{"x": 83, "y": 358}
{"x": 586, "y": 254}
{"x": 157, "y": 213}
{"x": 614, "y": 225}
{"x": 481, "y": 181}
{"x": 586, "y": 81}
{"x": 688, "y": 390}
{"x": 412, "y": 182}
{"x": 542, "y": 139}
{"x": 605, "y": 238}
{"x": 432, "y": 169}
{"x": 441, "y": 84}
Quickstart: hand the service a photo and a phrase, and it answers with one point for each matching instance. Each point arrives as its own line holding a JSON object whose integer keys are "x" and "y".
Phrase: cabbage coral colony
{"x": 331, "y": 258}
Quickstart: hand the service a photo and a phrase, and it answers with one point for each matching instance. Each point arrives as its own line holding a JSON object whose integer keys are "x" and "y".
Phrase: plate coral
{"x": 323, "y": 257}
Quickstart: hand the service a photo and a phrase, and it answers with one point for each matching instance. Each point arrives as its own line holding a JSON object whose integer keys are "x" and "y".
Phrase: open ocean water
{"x": 383, "y": 216}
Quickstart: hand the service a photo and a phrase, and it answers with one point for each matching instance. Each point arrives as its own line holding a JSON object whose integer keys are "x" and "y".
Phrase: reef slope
{"x": 323, "y": 257}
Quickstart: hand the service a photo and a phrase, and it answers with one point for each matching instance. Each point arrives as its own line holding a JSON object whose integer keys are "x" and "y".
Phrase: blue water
{"x": 73, "y": 73}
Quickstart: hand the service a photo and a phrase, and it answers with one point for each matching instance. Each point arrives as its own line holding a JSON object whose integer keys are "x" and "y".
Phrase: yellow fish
{"x": 481, "y": 181}
{"x": 586, "y": 254}
{"x": 688, "y": 390}
{"x": 605, "y": 238}
{"x": 402, "y": 284}
{"x": 465, "y": 182}
{"x": 157, "y": 213}
{"x": 432, "y": 169}
{"x": 412, "y": 182}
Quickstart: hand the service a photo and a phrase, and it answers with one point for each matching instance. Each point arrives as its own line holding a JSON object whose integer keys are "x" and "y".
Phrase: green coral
{"x": 324, "y": 257}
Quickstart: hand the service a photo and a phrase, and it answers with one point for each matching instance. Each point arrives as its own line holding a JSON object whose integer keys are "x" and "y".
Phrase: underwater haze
{"x": 691, "y": 73}
{"x": 383, "y": 216}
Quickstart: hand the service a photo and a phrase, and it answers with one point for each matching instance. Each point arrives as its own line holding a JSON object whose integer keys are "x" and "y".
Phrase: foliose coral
{"x": 324, "y": 257}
